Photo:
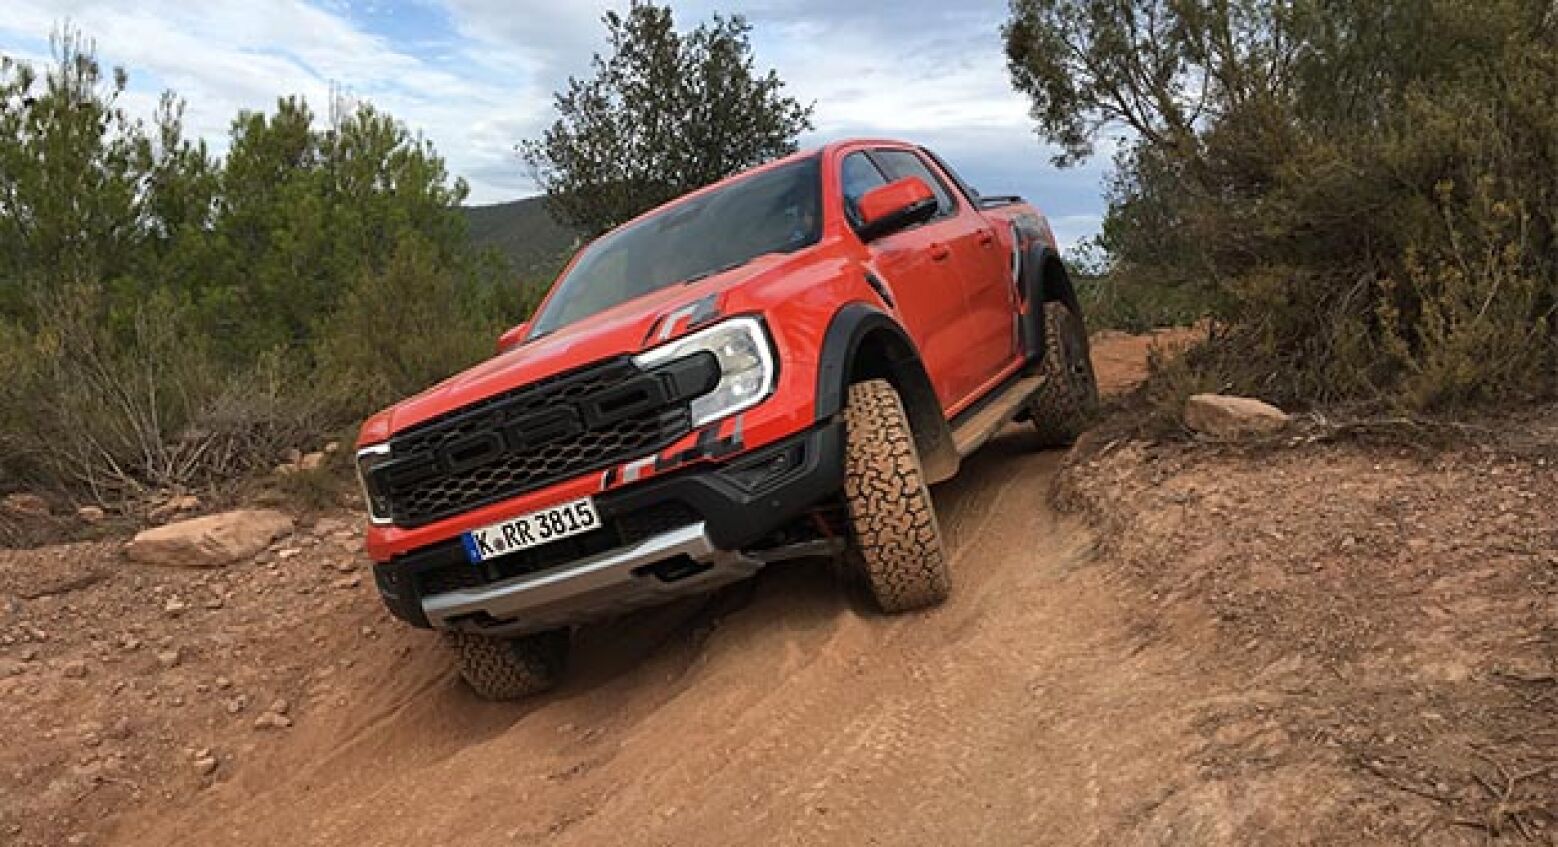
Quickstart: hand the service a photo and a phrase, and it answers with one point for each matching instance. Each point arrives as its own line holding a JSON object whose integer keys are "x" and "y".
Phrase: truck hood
{"x": 623, "y": 329}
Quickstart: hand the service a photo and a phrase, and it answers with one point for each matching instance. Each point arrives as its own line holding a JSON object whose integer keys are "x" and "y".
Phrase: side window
{"x": 957, "y": 179}
{"x": 858, "y": 175}
{"x": 902, "y": 163}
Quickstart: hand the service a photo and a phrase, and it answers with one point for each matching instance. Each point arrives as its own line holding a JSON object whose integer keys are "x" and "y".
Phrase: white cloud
{"x": 480, "y": 77}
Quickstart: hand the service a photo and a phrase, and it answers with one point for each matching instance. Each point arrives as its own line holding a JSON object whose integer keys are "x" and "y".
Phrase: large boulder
{"x": 209, "y": 541}
{"x": 1225, "y": 416}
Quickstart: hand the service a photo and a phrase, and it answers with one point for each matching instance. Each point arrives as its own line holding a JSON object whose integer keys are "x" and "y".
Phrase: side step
{"x": 974, "y": 432}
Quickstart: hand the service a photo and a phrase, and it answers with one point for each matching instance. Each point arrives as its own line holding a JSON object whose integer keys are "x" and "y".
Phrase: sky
{"x": 477, "y": 76}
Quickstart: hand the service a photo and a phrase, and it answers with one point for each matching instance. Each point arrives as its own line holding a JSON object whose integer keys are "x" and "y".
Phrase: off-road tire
{"x": 1068, "y": 397}
{"x": 897, "y": 550}
{"x": 510, "y": 668}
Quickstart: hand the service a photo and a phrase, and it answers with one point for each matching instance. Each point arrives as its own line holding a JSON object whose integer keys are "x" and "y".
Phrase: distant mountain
{"x": 522, "y": 233}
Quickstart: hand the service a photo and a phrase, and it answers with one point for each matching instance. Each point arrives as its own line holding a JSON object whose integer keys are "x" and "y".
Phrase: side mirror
{"x": 897, "y": 205}
{"x": 513, "y": 337}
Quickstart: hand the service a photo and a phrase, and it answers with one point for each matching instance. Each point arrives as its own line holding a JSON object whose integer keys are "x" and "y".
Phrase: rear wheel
{"x": 897, "y": 548}
{"x": 510, "y": 668}
{"x": 1068, "y": 398}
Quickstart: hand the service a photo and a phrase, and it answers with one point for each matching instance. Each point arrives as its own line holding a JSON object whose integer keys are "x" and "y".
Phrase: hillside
{"x": 521, "y": 232}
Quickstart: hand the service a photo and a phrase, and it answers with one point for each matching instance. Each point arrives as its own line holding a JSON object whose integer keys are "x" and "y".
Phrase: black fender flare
{"x": 864, "y": 342}
{"x": 1042, "y": 278}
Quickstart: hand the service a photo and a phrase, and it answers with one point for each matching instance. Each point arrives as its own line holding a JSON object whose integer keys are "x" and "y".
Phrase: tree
{"x": 664, "y": 114}
{"x": 1348, "y": 181}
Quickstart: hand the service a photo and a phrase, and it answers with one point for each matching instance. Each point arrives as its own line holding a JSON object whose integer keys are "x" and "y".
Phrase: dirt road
{"x": 1058, "y": 698}
{"x": 1021, "y": 711}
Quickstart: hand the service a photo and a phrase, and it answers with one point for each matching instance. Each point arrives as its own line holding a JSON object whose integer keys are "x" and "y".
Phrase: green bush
{"x": 1361, "y": 192}
{"x": 170, "y": 320}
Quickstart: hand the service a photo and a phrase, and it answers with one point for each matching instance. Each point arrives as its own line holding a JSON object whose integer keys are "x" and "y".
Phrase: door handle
{"x": 939, "y": 251}
{"x": 986, "y": 238}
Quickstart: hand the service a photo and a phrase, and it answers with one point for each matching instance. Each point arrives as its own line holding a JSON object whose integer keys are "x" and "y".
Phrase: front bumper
{"x": 673, "y": 564}
{"x": 667, "y": 537}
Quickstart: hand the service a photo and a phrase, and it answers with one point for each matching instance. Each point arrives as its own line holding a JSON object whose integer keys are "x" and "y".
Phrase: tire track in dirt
{"x": 1024, "y": 710}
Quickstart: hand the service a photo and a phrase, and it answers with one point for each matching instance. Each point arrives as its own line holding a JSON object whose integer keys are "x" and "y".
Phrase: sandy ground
{"x": 1202, "y": 648}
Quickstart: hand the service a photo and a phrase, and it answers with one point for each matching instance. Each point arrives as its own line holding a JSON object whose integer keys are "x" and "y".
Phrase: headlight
{"x": 746, "y": 362}
{"x": 378, "y": 501}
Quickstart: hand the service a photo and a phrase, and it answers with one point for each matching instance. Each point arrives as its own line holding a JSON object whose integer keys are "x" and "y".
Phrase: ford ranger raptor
{"x": 773, "y": 367}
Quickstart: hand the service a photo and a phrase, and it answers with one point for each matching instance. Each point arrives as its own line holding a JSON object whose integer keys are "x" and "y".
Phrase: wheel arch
{"x": 1043, "y": 278}
{"x": 863, "y": 343}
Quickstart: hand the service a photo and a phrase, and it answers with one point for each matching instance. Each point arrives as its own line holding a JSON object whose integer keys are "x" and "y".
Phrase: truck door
{"x": 926, "y": 292}
{"x": 982, "y": 264}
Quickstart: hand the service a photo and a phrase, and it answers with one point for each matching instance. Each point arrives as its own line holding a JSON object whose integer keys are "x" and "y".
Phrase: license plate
{"x": 532, "y": 530}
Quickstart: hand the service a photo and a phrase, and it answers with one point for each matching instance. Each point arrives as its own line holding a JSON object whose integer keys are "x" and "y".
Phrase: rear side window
{"x": 901, "y": 163}
{"x": 858, "y": 175}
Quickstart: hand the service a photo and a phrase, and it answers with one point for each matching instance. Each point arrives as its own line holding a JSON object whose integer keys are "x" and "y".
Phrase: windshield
{"x": 777, "y": 211}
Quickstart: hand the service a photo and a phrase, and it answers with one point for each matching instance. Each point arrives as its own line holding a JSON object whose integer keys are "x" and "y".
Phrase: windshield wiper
{"x": 715, "y": 272}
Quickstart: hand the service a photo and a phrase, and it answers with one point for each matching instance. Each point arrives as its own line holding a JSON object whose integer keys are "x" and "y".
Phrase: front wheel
{"x": 897, "y": 549}
{"x": 510, "y": 668}
{"x": 1068, "y": 397}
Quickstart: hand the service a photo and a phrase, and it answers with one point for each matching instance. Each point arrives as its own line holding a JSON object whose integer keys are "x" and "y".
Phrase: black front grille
{"x": 455, "y": 572}
{"x": 529, "y": 438}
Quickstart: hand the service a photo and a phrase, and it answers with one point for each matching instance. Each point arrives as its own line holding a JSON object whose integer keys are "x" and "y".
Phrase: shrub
{"x": 1361, "y": 192}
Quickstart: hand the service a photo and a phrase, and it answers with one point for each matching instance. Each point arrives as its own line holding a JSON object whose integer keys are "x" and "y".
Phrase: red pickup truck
{"x": 772, "y": 367}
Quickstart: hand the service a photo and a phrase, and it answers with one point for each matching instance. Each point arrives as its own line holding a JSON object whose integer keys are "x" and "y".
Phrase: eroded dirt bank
{"x": 1209, "y": 648}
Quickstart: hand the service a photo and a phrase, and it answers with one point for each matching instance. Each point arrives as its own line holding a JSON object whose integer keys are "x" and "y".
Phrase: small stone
{"x": 75, "y": 669}
{"x": 223, "y": 683}
{"x": 348, "y": 582}
{"x": 271, "y": 720}
{"x": 311, "y": 462}
{"x": 286, "y": 469}
{"x": 30, "y": 654}
{"x": 367, "y": 632}
{"x": 287, "y": 553}
{"x": 174, "y": 607}
{"x": 332, "y": 448}
{"x": 169, "y": 658}
{"x": 205, "y": 766}
{"x": 237, "y": 704}
{"x": 280, "y": 706}
{"x": 214, "y": 602}
{"x": 90, "y": 514}
{"x": 25, "y": 505}
{"x": 174, "y": 506}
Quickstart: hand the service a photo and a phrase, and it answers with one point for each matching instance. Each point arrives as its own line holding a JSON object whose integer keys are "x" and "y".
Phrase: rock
{"x": 1229, "y": 417}
{"x": 348, "y": 582}
{"x": 210, "y": 541}
{"x": 205, "y": 765}
{"x": 332, "y": 448}
{"x": 24, "y": 505}
{"x": 272, "y": 720}
{"x": 90, "y": 514}
{"x": 169, "y": 658}
{"x": 287, "y": 553}
{"x": 311, "y": 462}
{"x": 280, "y": 706}
{"x": 286, "y": 469}
{"x": 75, "y": 669}
{"x": 174, "y": 607}
{"x": 174, "y": 506}
{"x": 237, "y": 704}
